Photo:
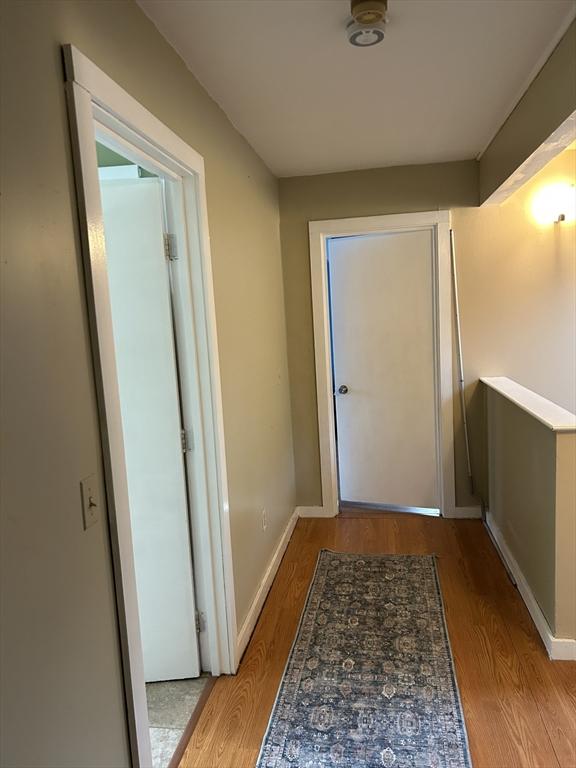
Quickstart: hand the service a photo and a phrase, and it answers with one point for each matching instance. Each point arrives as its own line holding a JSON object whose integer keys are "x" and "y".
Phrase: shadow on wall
{"x": 477, "y": 413}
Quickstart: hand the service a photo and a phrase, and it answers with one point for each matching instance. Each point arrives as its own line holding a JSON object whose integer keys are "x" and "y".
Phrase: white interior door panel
{"x": 151, "y": 424}
{"x": 382, "y": 315}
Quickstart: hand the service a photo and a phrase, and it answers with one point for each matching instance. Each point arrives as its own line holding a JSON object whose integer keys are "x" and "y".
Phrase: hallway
{"x": 520, "y": 708}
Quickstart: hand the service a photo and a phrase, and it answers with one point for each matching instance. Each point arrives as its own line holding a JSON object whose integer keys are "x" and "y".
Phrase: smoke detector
{"x": 368, "y": 22}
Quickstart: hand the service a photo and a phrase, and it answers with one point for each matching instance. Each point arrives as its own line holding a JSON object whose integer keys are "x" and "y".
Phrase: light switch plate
{"x": 90, "y": 501}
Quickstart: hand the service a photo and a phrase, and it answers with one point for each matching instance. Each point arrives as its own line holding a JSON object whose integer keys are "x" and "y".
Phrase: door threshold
{"x": 365, "y": 506}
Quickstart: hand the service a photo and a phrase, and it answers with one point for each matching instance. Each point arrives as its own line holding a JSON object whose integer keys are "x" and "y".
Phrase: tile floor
{"x": 170, "y": 706}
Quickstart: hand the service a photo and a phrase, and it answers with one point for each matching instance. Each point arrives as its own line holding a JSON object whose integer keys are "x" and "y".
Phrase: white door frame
{"x": 438, "y": 223}
{"x": 98, "y": 107}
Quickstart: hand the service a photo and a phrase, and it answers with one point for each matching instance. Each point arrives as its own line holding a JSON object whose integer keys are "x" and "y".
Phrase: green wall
{"x": 107, "y": 157}
{"x": 524, "y": 495}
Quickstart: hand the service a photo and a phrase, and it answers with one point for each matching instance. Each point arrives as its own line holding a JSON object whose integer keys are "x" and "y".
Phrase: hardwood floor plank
{"x": 514, "y": 734}
{"x": 520, "y": 707}
{"x": 552, "y": 684}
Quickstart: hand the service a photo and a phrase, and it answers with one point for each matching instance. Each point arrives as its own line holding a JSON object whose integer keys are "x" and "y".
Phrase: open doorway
{"x": 146, "y": 250}
{"x": 136, "y": 209}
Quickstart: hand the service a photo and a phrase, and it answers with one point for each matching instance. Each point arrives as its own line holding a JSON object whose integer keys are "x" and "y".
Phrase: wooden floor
{"x": 520, "y": 708}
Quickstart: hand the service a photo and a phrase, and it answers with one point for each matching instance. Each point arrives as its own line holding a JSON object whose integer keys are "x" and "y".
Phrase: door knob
{"x": 343, "y": 390}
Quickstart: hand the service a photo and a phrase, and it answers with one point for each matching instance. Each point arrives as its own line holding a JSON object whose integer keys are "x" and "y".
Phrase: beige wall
{"x": 549, "y": 100}
{"x": 332, "y": 196}
{"x": 518, "y": 300}
{"x": 61, "y": 681}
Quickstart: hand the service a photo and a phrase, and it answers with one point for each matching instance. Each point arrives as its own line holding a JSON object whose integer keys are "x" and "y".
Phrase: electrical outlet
{"x": 264, "y": 520}
{"x": 90, "y": 501}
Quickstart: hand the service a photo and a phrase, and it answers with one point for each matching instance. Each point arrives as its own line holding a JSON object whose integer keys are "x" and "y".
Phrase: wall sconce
{"x": 555, "y": 203}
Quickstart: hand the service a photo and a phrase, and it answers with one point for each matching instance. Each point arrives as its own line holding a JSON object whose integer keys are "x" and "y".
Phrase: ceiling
{"x": 438, "y": 88}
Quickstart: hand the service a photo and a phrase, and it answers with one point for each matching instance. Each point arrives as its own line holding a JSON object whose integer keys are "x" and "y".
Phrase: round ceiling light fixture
{"x": 368, "y": 22}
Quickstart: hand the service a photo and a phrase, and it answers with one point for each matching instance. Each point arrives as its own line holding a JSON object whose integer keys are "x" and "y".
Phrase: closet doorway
{"x": 146, "y": 252}
{"x": 138, "y": 218}
{"x": 135, "y": 213}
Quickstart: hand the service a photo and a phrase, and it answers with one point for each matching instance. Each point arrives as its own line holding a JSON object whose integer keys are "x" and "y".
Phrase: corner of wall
{"x": 548, "y": 101}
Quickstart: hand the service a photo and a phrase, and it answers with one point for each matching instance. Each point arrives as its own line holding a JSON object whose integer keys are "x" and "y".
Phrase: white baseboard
{"x": 257, "y": 604}
{"x": 312, "y": 512}
{"x": 465, "y": 513}
{"x": 559, "y": 649}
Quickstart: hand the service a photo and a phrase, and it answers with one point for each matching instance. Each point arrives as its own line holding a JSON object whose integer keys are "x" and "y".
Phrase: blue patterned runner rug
{"x": 370, "y": 679}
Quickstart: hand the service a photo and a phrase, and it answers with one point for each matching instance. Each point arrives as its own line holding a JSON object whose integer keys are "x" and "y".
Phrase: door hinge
{"x": 170, "y": 247}
{"x": 200, "y": 622}
{"x": 186, "y": 440}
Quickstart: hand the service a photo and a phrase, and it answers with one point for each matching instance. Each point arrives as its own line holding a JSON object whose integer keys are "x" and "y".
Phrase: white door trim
{"x": 438, "y": 222}
{"x": 96, "y": 102}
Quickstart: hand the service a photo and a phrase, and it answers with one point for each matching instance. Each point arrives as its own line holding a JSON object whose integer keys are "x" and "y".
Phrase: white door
{"x": 382, "y": 314}
{"x": 151, "y": 422}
